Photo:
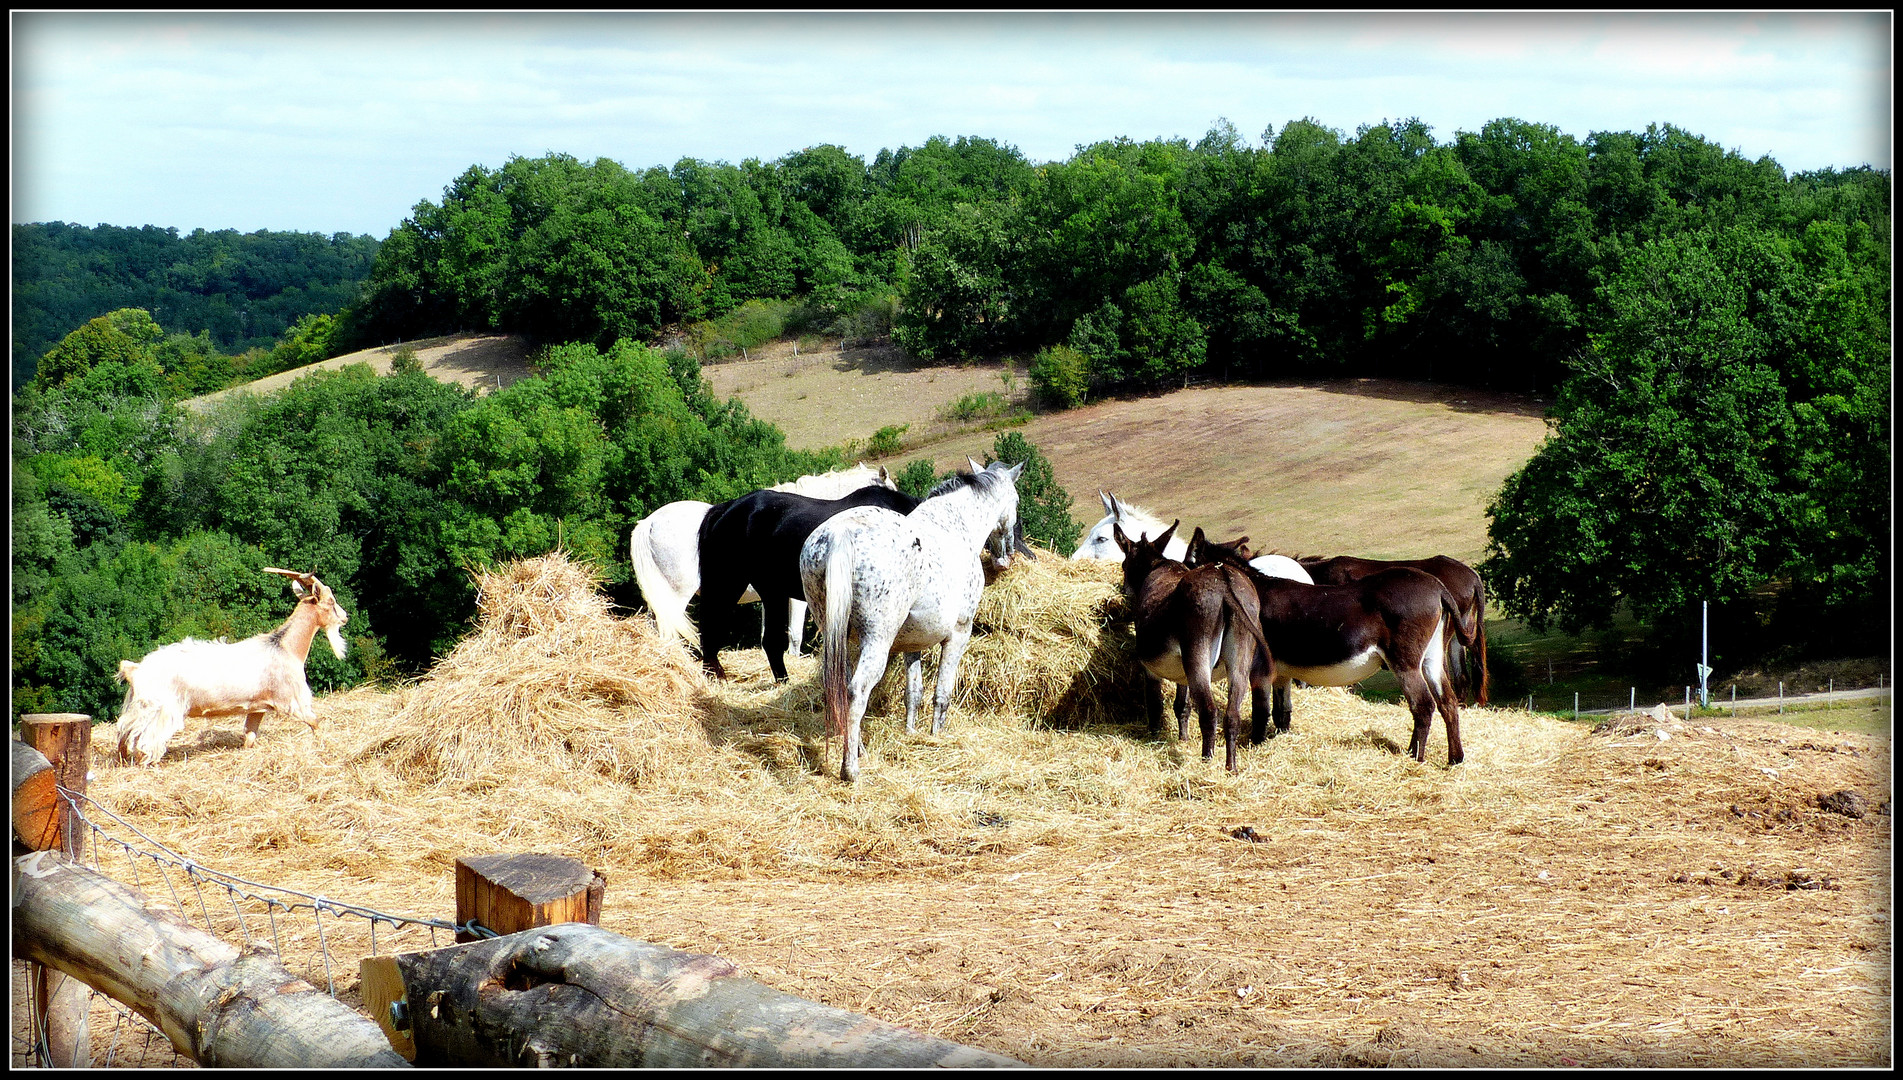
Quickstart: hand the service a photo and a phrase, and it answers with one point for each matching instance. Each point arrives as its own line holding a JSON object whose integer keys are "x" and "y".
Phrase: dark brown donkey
{"x": 1338, "y": 635}
{"x": 1460, "y": 580}
{"x": 1185, "y": 620}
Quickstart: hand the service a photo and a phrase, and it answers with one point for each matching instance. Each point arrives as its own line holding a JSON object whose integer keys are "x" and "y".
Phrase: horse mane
{"x": 1143, "y": 514}
{"x": 954, "y": 482}
{"x": 832, "y": 485}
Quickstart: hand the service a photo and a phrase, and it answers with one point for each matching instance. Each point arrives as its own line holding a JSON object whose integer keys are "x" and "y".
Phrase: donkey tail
{"x": 1463, "y": 625}
{"x": 834, "y": 675}
{"x": 668, "y": 606}
{"x": 1480, "y": 643}
{"x": 1248, "y": 613}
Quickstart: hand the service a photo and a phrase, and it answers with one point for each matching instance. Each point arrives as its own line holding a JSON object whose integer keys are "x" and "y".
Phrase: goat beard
{"x": 336, "y": 641}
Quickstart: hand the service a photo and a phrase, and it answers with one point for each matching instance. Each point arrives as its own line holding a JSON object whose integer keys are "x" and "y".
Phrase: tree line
{"x": 1714, "y": 334}
{"x": 223, "y": 294}
{"x": 137, "y": 521}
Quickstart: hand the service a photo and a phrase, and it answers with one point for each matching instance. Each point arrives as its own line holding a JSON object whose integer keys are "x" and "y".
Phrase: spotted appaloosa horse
{"x": 1186, "y": 619}
{"x": 1338, "y": 635}
{"x": 1460, "y": 580}
{"x": 886, "y": 582}
{"x": 665, "y": 551}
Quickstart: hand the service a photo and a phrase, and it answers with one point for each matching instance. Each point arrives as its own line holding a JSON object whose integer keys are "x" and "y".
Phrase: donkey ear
{"x": 1163, "y": 541}
{"x": 1123, "y": 542}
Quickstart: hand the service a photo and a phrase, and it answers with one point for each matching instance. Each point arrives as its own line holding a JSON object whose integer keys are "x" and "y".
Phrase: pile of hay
{"x": 550, "y": 675}
{"x": 1050, "y": 643}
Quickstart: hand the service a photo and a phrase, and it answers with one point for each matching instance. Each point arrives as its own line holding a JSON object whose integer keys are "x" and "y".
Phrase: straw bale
{"x": 549, "y": 677}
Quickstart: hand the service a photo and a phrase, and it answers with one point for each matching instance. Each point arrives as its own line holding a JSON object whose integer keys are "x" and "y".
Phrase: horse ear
{"x": 1109, "y": 507}
{"x": 1015, "y": 471}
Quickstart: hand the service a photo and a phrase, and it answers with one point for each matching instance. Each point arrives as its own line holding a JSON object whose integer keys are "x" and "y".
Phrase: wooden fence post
{"x": 502, "y": 893}
{"x": 64, "y": 741}
{"x": 512, "y": 893}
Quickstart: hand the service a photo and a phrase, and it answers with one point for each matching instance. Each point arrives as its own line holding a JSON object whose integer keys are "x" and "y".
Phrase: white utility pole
{"x": 1704, "y": 640}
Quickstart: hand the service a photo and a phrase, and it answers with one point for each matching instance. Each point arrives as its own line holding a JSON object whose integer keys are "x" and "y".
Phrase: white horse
{"x": 1139, "y": 524}
{"x": 665, "y": 551}
{"x": 887, "y": 582}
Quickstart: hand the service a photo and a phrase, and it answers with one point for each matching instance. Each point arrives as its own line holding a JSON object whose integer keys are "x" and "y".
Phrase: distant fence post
{"x": 60, "y": 1007}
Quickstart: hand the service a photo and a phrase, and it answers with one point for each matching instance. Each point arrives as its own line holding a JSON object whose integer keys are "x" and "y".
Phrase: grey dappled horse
{"x": 881, "y": 582}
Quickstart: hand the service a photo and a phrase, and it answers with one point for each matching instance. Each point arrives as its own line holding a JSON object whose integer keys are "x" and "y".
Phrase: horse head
{"x": 1142, "y": 555}
{"x": 1008, "y": 537}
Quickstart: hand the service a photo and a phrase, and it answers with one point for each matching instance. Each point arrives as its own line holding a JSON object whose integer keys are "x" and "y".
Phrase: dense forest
{"x": 1714, "y": 334}
{"x": 232, "y": 291}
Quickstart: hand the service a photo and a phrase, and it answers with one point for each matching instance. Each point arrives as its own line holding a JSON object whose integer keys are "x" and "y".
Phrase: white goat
{"x": 260, "y": 674}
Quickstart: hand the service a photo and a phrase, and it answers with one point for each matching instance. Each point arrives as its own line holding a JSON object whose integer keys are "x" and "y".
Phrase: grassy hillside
{"x": 1371, "y": 467}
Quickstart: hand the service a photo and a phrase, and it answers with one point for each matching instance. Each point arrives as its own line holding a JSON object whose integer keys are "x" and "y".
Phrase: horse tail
{"x": 834, "y": 675}
{"x": 669, "y": 607}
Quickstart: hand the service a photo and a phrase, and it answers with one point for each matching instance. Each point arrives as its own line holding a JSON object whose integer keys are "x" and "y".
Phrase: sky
{"x": 343, "y": 122}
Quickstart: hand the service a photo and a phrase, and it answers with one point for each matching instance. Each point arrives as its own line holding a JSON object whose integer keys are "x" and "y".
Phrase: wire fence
{"x": 315, "y": 937}
{"x": 1716, "y": 699}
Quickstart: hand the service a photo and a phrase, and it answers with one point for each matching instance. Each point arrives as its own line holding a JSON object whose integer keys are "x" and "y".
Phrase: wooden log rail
{"x": 218, "y": 1004}
{"x": 577, "y": 995}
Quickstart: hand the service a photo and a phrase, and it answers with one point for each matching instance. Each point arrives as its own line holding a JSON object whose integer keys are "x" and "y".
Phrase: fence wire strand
{"x": 103, "y": 827}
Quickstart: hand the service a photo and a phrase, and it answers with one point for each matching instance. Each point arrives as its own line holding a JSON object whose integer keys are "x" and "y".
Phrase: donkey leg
{"x": 1182, "y": 710}
{"x": 1153, "y": 703}
{"x": 1419, "y": 694}
{"x": 948, "y": 656}
{"x": 1450, "y": 715}
{"x": 914, "y": 688}
{"x": 1202, "y": 692}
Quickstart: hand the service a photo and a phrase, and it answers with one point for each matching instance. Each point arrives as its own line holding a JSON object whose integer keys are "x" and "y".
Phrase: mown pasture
{"x": 1046, "y": 881}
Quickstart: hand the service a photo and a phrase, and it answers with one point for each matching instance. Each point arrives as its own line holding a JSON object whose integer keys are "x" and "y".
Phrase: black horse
{"x": 755, "y": 540}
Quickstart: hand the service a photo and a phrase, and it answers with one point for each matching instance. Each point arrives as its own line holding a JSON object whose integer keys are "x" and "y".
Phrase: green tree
{"x": 1680, "y": 466}
{"x": 1043, "y": 506}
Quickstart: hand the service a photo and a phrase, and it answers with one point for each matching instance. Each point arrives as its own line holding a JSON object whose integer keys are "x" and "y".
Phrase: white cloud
{"x": 344, "y": 121}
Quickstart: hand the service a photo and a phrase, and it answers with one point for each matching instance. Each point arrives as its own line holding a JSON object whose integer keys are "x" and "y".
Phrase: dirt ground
{"x": 483, "y": 361}
{"x": 822, "y": 396}
{"x": 1612, "y": 898}
{"x": 1327, "y": 467}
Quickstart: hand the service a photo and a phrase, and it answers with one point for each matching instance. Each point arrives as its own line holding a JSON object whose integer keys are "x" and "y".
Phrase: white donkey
{"x": 887, "y": 583}
{"x": 1139, "y": 524}
{"x": 665, "y": 551}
